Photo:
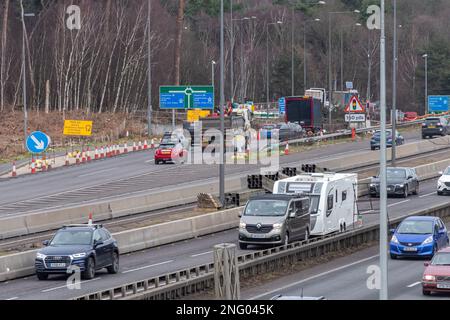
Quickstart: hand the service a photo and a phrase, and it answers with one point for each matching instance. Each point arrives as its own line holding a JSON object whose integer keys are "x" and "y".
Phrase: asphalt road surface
{"x": 134, "y": 174}
{"x": 178, "y": 256}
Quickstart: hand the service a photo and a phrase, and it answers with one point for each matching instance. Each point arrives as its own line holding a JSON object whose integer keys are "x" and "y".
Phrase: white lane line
{"x": 13, "y": 298}
{"x": 62, "y": 287}
{"x": 96, "y": 172}
{"x": 366, "y": 212}
{"x": 398, "y": 203}
{"x": 150, "y": 266}
{"x": 201, "y": 254}
{"x": 148, "y": 161}
{"x": 312, "y": 278}
{"x": 414, "y": 284}
{"x": 427, "y": 195}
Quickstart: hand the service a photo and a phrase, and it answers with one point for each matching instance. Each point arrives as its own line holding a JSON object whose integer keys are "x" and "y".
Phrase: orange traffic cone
{"x": 44, "y": 164}
{"x": 286, "y": 150}
{"x": 90, "y": 219}
{"x": 96, "y": 154}
{"x": 67, "y": 159}
{"x": 77, "y": 159}
{"x": 152, "y": 146}
{"x": 145, "y": 145}
{"x": 140, "y": 145}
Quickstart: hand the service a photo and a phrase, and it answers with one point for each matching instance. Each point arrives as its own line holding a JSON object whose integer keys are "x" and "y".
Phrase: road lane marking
{"x": 96, "y": 172}
{"x": 414, "y": 284}
{"x": 13, "y": 298}
{"x": 427, "y": 195}
{"x": 201, "y": 254}
{"x": 398, "y": 203}
{"x": 65, "y": 286}
{"x": 150, "y": 266}
{"x": 148, "y": 161}
{"x": 313, "y": 277}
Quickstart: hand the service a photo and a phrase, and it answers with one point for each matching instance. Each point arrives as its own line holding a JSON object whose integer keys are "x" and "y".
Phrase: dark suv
{"x": 436, "y": 126}
{"x": 87, "y": 247}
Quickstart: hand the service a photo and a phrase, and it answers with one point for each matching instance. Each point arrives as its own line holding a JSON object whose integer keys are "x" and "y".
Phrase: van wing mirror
{"x": 46, "y": 243}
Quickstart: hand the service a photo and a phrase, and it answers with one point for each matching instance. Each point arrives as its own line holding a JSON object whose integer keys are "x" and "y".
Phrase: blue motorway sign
{"x": 282, "y": 105}
{"x": 38, "y": 142}
{"x": 438, "y": 104}
{"x": 186, "y": 97}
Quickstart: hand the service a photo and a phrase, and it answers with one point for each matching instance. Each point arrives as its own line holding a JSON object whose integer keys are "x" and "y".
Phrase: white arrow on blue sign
{"x": 38, "y": 142}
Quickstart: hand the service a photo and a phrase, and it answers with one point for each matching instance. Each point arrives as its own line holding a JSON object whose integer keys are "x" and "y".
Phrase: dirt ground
{"x": 106, "y": 128}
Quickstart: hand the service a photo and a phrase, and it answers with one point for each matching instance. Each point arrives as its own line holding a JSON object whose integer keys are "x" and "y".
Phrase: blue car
{"x": 418, "y": 237}
{"x": 375, "y": 141}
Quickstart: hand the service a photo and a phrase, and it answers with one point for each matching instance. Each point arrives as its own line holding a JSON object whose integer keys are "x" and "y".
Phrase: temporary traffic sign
{"x": 195, "y": 115}
{"x": 77, "y": 128}
{"x": 355, "y": 106}
{"x": 186, "y": 97}
{"x": 38, "y": 142}
{"x": 282, "y": 105}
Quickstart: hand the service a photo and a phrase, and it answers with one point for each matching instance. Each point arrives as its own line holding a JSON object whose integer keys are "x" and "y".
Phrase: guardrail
{"x": 200, "y": 278}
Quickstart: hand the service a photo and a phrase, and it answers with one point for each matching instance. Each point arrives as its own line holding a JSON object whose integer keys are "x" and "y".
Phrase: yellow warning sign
{"x": 195, "y": 115}
{"x": 78, "y": 128}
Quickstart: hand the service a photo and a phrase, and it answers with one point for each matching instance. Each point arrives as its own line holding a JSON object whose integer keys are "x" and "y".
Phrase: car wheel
{"x": 42, "y": 276}
{"x": 426, "y": 292}
{"x": 373, "y": 149}
{"x": 114, "y": 268}
{"x": 89, "y": 272}
{"x": 440, "y": 193}
{"x": 394, "y": 257}
{"x": 406, "y": 193}
{"x": 424, "y": 137}
{"x": 242, "y": 246}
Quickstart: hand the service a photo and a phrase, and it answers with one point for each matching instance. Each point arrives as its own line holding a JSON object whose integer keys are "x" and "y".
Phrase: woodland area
{"x": 103, "y": 66}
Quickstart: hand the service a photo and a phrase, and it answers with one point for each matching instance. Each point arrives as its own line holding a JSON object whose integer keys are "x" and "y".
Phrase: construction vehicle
{"x": 306, "y": 111}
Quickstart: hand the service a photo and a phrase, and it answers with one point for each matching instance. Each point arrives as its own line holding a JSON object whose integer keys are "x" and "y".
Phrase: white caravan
{"x": 333, "y": 199}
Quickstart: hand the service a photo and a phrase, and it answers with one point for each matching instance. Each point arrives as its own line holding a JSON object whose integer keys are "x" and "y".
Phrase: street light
{"x": 241, "y": 55}
{"x": 304, "y": 44}
{"x": 425, "y": 56}
{"x": 330, "y": 83}
{"x": 24, "y": 75}
{"x": 222, "y": 111}
{"x": 305, "y": 22}
{"x": 394, "y": 90}
{"x": 268, "y": 67}
{"x": 149, "y": 53}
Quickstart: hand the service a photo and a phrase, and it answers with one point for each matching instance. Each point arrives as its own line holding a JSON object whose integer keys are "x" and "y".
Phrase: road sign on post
{"x": 349, "y": 85}
{"x": 38, "y": 142}
{"x": 186, "y": 97}
{"x": 78, "y": 128}
{"x": 195, "y": 115}
{"x": 358, "y": 117}
{"x": 438, "y": 104}
{"x": 355, "y": 106}
{"x": 282, "y": 105}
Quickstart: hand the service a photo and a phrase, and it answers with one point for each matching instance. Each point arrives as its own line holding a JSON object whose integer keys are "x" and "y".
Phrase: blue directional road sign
{"x": 438, "y": 104}
{"x": 282, "y": 105}
{"x": 186, "y": 97}
{"x": 38, "y": 142}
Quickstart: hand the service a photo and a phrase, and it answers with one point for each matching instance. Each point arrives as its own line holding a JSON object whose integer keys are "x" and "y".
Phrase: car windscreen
{"x": 377, "y": 134}
{"x": 167, "y": 146}
{"x": 416, "y": 227}
{"x": 396, "y": 174}
{"x": 266, "y": 208}
{"x": 432, "y": 121}
{"x": 447, "y": 172}
{"x": 72, "y": 237}
{"x": 441, "y": 259}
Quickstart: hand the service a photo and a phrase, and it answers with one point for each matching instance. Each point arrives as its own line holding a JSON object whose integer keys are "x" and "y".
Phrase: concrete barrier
{"x": 17, "y": 265}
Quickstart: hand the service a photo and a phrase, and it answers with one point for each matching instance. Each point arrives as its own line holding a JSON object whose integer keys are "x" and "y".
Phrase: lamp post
{"x": 149, "y": 90}
{"x": 267, "y": 62}
{"x": 222, "y": 111}
{"x": 394, "y": 90}
{"x": 304, "y": 45}
{"x": 425, "y": 56}
{"x": 241, "y": 91}
{"x": 305, "y": 23}
{"x": 24, "y": 74}
{"x": 383, "y": 165}
{"x": 330, "y": 81}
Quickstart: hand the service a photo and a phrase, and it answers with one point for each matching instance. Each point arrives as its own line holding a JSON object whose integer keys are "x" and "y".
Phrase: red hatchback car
{"x": 169, "y": 152}
{"x": 436, "y": 277}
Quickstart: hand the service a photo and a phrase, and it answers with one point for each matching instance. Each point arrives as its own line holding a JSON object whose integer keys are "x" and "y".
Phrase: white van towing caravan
{"x": 333, "y": 199}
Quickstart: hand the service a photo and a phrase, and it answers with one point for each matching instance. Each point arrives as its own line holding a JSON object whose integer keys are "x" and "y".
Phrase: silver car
{"x": 274, "y": 220}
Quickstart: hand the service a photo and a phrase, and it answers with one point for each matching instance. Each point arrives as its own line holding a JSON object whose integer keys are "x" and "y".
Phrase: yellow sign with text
{"x": 78, "y": 128}
{"x": 195, "y": 115}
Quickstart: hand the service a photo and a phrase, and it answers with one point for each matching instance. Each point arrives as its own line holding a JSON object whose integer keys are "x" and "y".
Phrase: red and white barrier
{"x": 88, "y": 154}
{"x": 134, "y": 146}
{"x": 33, "y": 166}
{"x": 83, "y": 156}
{"x": 140, "y": 145}
{"x": 152, "y": 146}
{"x": 96, "y": 155}
{"x": 77, "y": 161}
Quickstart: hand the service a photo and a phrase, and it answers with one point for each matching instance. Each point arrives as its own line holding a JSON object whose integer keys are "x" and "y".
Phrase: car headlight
{"x": 78, "y": 255}
{"x": 440, "y": 183}
{"x": 401, "y": 185}
{"x": 429, "y": 277}
{"x": 278, "y": 226}
{"x": 429, "y": 240}
{"x": 40, "y": 256}
{"x": 394, "y": 240}
{"x": 242, "y": 225}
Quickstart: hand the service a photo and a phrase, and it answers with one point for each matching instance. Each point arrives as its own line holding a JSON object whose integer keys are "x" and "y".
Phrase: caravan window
{"x": 315, "y": 200}
{"x": 330, "y": 202}
{"x": 344, "y": 196}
